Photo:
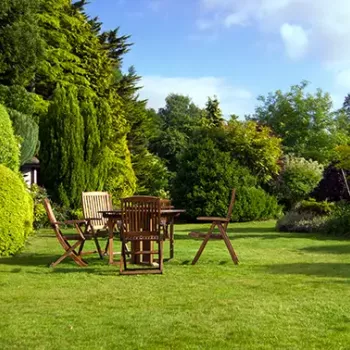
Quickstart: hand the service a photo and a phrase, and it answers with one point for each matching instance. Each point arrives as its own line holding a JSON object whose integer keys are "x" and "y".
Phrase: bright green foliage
{"x": 297, "y": 179}
{"x": 317, "y": 208}
{"x": 77, "y": 58}
{"x": 28, "y": 131}
{"x": 343, "y": 156}
{"x": 21, "y": 46}
{"x": 205, "y": 178}
{"x": 254, "y": 203}
{"x": 303, "y": 120}
{"x": 9, "y": 149}
{"x": 254, "y": 146}
{"x": 62, "y": 155}
{"x": 212, "y": 115}
{"x": 16, "y": 212}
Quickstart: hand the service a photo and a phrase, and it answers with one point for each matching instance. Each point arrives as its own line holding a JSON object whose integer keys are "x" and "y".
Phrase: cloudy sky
{"x": 235, "y": 49}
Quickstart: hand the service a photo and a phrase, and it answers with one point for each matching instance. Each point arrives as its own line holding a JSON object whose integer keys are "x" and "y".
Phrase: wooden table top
{"x": 118, "y": 212}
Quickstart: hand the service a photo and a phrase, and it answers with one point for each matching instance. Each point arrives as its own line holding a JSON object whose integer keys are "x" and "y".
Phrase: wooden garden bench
{"x": 221, "y": 224}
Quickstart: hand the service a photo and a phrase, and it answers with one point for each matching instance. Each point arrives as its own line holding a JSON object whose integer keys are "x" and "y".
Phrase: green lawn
{"x": 290, "y": 291}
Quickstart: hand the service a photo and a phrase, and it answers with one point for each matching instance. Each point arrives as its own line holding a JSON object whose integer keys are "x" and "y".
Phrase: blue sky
{"x": 235, "y": 49}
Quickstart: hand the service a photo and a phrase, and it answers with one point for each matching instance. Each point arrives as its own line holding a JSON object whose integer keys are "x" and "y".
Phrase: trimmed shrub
{"x": 16, "y": 212}
{"x": 316, "y": 208}
{"x": 297, "y": 179}
{"x": 9, "y": 145}
{"x": 254, "y": 204}
{"x": 295, "y": 221}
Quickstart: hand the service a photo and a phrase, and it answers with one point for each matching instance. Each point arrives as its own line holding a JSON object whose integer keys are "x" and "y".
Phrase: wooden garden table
{"x": 113, "y": 216}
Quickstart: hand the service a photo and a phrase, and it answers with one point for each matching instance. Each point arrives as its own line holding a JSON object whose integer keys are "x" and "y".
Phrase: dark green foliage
{"x": 177, "y": 121}
{"x": 253, "y": 203}
{"x": 62, "y": 155}
{"x": 9, "y": 150}
{"x": 332, "y": 187}
{"x": 21, "y": 46}
{"x": 338, "y": 223}
{"x": 205, "y": 178}
{"x": 16, "y": 212}
{"x": 28, "y": 131}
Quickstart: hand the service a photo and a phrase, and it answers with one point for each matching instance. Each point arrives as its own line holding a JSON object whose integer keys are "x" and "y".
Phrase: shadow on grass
{"x": 330, "y": 249}
{"x": 40, "y": 260}
{"x": 311, "y": 269}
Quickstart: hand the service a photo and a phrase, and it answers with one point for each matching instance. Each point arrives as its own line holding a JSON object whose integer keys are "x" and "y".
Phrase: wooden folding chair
{"x": 82, "y": 228}
{"x": 221, "y": 224}
{"x": 93, "y": 204}
{"x": 141, "y": 223}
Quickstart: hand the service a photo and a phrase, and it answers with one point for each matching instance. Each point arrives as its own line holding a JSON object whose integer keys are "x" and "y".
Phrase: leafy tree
{"x": 297, "y": 179}
{"x": 255, "y": 147}
{"x": 21, "y": 46}
{"x": 213, "y": 114}
{"x": 304, "y": 121}
{"x": 177, "y": 120}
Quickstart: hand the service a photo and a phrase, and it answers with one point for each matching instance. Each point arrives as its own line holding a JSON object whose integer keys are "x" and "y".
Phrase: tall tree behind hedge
{"x": 62, "y": 135}
{"x": 213, "y": 115}
{"x": 76, "y": 57}
{"x": 21, "y": 45}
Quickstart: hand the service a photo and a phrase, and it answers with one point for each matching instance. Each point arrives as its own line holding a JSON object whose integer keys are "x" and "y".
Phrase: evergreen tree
{"x": 213, "y": 115}
{"x": 62, "y": 154}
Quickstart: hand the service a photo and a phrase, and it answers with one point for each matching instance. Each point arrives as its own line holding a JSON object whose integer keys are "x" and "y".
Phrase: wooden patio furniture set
{"x": 143, "y": 224}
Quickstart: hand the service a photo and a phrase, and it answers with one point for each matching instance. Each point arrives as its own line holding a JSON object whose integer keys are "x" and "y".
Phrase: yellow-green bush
{"x": 9, "y": 145}
{"x": 16, "y": 212}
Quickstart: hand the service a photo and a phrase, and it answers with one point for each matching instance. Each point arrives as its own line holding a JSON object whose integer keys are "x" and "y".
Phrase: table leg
{"x": 110, "y": 238}
{"x": 148, "y": 246}
{"x": 171, "y": 237}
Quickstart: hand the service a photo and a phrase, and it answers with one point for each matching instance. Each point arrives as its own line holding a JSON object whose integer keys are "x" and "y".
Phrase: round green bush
{"x": 16, "y": 212}
{"x": 253, "y": 203}
{"x": 9, "y": 145}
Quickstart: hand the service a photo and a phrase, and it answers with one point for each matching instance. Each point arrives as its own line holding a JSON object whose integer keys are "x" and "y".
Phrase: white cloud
{"x": 295, "y": 40}
{"x": 327, "y": 22}
{"x": 342, "y": 78}
{"x": 232, "y": 99}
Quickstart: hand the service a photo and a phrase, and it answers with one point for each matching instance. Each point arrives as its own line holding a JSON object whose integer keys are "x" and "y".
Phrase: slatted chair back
{"x": 166, "y": 204}
{"x": 141, "y": 217}
{"x": 230, "y": 208}
{"x": 141, "y": 225}
{"x": 93, "y": 203}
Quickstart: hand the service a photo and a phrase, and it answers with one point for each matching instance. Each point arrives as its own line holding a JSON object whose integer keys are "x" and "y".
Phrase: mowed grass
{"x": 290, "y": 291}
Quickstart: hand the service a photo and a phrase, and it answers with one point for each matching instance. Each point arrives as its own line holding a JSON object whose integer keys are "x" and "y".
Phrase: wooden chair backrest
{"x": 93, "y": 202}
{"x": 140, "y": 217}
{"x": 52, "y": 218}
{"x": 230, "y": 208}
{"x": 166, "y": 204}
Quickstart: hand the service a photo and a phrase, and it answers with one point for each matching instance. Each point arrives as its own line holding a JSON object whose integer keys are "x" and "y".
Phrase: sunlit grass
{"x": 290, "y": 291}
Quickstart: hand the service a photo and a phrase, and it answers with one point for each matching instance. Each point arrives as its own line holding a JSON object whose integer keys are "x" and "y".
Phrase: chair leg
{"x": 228, "y": 244}
{"x": 204, "y": 243}
{"x": 70, "y": 252}
{"x": 160, "y": 247}
{"x": 81, "y": 248}
{"x": 98, "y": 247}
